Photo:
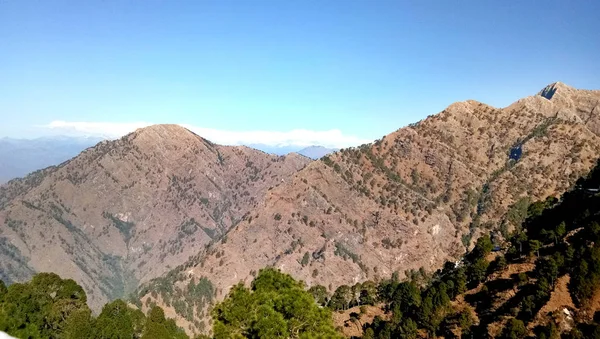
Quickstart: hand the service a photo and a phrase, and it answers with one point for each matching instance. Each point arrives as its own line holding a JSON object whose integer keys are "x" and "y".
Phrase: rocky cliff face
{"x": 129, "y": 210}
{"x": 414, "y": 198}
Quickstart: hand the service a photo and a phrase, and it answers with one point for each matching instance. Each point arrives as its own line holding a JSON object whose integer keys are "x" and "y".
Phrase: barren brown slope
{"x": 129, "y": 210}
{"x": 414, "y": 198}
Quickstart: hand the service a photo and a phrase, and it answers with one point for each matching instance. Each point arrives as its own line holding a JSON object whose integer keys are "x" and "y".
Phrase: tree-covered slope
{"x": 543, "y": 283}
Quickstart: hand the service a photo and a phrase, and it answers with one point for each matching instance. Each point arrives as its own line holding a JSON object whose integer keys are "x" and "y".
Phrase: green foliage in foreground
{"x": 51, "y": 307}
{"x": 276, "y": 306}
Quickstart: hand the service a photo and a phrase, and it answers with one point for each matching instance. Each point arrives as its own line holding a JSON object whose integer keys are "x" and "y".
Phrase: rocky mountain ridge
{"x": 186, "y": 219}
{"x": 126, "y": 211}
{"x": 413, "y": 199}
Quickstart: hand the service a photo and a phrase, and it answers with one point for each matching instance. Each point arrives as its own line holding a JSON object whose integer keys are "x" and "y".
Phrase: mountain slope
{"x": 544, "y": 284}
{"x": 413, "y": 199}
{"x": 128, "y": 210}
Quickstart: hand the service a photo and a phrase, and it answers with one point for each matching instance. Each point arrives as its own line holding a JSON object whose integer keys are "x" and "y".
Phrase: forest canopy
{"x": 276, "y": 306}
{"x": 51, "y": 307}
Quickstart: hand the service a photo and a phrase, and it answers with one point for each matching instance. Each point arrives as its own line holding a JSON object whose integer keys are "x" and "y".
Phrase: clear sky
{"x": 364, "y": 68}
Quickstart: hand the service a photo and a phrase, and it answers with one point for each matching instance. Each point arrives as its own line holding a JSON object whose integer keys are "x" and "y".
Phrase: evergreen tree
{"x": 534, "y": 247}
{"x": 115, "y": 321}
{"x": 514, "y": 329}
{"x": 51, "y": 307}
{"x": 477, "y": 271}
{"x": 368, "y": 293}
{"x": 406, "y": 297}
{"x": 341, "y": 298}
{"x": 277, "y": 306}
{"x": 158, "y": 327}
{"x": 41, "y": 307}
{"x": 320, "y": 294}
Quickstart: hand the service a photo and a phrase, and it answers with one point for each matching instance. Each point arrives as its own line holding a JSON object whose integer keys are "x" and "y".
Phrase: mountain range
{"x": 316, "y": 152}
{"x": 163, "y": 211}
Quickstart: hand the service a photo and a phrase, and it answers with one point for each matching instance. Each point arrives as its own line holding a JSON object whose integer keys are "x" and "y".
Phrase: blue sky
{"x": 246, "y": 67}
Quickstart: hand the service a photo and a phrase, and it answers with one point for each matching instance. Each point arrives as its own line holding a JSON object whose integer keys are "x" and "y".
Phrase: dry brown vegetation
{"x": 350, "y": 321}
{"x": 128, "y": 210}
{"x": 414, "y": 198}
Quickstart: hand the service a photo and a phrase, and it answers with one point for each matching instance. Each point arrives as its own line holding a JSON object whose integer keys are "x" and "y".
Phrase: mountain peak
{"x": 162, "y": 129}
{"x": 549, "y": 91}
{"x": 164, "y": 133}
{"x": 464, "y": 106}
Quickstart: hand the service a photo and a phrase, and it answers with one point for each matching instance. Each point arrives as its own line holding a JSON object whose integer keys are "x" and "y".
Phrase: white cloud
{"x": 299, "y": 137}
{"x": 108, "y": 130}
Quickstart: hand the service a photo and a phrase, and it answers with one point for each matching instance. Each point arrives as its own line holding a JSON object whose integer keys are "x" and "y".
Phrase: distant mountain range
{"x": 314, "y": 152}
{"x": 19, "y": 157}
